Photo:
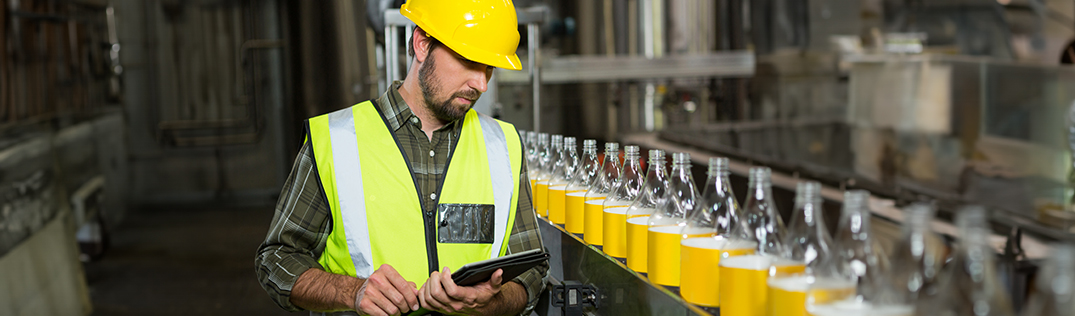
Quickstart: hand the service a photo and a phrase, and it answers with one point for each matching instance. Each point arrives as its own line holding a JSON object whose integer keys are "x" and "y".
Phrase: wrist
{"x": 354, "y": 294}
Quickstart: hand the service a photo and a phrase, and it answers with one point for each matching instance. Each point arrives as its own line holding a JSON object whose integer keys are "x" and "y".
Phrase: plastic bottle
{"x": 700, "y": 256}
{"x": 917, "y": 256}
{"x": 856, "y": 248}
{"x": 616, "y": 204}
{"x": 808, "y": 242}
{"x": 575, "y": 202}
{"x": 558, "y": 185}
{"x": 654, "y": 192}
{"x": 666, "y": 224}
{"x": 1054, "y": 290}
{"x": 541, "y": 178}
{"x": 599, "y": 190}
{"x": 968, "y": 285}
{"x": 533, "y": 163}
{"x": 743, "y": 278}
{"x": 860, "y": 264}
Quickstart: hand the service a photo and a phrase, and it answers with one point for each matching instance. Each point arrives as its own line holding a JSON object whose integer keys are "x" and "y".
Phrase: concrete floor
{"x": 184, "y": 261}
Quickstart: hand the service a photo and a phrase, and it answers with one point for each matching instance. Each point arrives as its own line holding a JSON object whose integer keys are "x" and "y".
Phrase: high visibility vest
{"x": 377, "y": 214}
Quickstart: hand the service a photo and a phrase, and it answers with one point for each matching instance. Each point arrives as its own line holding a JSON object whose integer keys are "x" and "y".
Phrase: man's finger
{"x": 497, "y": 278}
{"x": 436, "y": 290}
{"x": 428, "y": 301}
{"x": 405, "y": 288}
{"x": 449, "y": 285}
{"x": 397, "y": 298}
{"x": 382, "y": 303}
{"x": 422, "y": 298}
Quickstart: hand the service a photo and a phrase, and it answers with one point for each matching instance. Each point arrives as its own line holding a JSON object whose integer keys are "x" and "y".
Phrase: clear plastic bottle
{"x": 666, "y": 224}
{"x": 541, "y": 177}
{"x": 808, "y": 242}
{"x": 1054, "y": 290}
{"x": 654, "y": 192}
{"x": 918, "y": 255}
{"x": 856, "y": 247}
{"x": 699, "y": 256}
{"x": 969, "y": 284}
{"x": 828, "y": 293}
{"x": 599, "y": 190}
{"x": 586, "y": 173}
{"x": 616, "y": 204}
{"x": 533, "y": 162}
{"x": 558, "y": 185}
{"x": 858, "y": 264}
{"x": 743, "y": 278}
{"x": 808, "y": 239}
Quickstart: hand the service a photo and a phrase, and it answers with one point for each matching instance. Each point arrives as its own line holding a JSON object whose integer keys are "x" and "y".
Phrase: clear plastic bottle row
{"x": 742, "y": 258}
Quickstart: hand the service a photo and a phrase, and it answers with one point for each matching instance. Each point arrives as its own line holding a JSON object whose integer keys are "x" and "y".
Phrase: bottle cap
{"x": 557, "y": 139}
{"x": 681, "y": 158}
{"x": 807, "y": 191}
{"x": 718, "y": 166}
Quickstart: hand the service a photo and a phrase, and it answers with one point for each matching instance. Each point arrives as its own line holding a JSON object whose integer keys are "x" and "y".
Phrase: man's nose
{"x": 479, "y": 79}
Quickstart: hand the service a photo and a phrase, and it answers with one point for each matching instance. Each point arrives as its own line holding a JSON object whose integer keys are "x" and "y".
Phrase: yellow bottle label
{"x": 744, "y": 282}
{"x": 592, "y": 222}
{"x": 700, "y": 278}
{"x": 541, "y": 198}
{"x": 557, "y": 203}
{"x": 614, "y": 229}
{"x": 788, "y": 294}
{"x": 663, "y": 249}
{"x": 575, "y": 204}
{"x": 637, "y": 233}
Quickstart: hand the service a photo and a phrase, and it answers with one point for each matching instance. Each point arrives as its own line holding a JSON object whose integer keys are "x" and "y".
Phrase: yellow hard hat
{"x": 484, "y": 31}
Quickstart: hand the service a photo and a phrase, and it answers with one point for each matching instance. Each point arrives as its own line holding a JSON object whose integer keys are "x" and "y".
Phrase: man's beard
{"x": 443, "y": 110}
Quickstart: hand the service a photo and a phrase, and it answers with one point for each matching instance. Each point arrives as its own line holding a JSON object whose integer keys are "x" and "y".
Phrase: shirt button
{"x": 432, "y": 196}
{"x": 414, "y": 120}
{"x": 431, "y": 153}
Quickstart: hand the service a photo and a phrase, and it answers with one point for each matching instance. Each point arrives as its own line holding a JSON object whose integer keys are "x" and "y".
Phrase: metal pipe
{"x": 649, "y": 51}
{"x": 410, "y": 32}
{"x": 390, "y": 56}
{"x": 535, "y": 70}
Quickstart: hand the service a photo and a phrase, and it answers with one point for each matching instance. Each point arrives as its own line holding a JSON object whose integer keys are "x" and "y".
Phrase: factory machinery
{"x": 635, "y": 238}
{"x": 859, "y": 157}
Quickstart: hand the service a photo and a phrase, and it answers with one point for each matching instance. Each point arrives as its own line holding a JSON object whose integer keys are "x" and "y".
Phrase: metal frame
{"x": 531, "y": 17}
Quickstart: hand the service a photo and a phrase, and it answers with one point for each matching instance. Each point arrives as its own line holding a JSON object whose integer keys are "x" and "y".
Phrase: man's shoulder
{"x": 508, "y": 127}
{"x": 367, "y": 103}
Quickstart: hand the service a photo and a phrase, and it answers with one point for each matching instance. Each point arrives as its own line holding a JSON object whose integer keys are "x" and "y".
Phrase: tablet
{"x": 513, "y": 265}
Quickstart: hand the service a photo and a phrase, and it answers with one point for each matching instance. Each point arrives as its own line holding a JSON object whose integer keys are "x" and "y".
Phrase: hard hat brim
{"x": 504, "y": 61}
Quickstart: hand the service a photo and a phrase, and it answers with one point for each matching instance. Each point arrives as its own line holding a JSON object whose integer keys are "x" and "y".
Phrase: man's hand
{"x": 385, "y": 292}
{"x": 441, "y": 294}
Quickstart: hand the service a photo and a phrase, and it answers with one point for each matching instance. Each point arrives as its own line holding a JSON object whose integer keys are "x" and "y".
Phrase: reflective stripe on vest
{"x": 382, "y": 223}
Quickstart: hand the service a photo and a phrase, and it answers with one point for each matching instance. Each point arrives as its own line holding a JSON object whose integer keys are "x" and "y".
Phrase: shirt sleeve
{"x": 525, "y": 236}
{"x": 300, "y": 225}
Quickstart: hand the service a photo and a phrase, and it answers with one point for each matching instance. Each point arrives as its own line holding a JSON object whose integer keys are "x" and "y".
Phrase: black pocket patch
{"x": 465, "y": 223}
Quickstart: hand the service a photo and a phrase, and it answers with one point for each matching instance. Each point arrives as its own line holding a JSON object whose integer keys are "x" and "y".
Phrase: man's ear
{"x": 421, "y": 44}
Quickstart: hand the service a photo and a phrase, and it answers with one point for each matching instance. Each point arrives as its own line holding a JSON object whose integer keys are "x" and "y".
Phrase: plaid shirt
{"x": 303, "y": 220}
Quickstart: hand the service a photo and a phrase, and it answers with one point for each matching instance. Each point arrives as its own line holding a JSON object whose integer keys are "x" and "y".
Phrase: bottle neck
{"x": 759, "y": 191}
{"x": 682, "y": 182}
{"x": 722, "y": 182}
{"x": 632, "y": 165}
{"x": 858, "y": 225}
{"x": 681, "y": 169}
{"x": 610, "y": 170}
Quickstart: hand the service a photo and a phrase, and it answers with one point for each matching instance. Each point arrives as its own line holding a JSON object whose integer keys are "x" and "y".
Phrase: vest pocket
{"x": 465, "y": 223}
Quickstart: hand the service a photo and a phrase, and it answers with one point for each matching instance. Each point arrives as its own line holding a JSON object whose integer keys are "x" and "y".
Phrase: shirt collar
{"x": 397, "y": 113}
{"x": 395, "y": 110}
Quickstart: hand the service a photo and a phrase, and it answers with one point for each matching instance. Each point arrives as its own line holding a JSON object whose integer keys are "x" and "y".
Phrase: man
{"x": 388, "y": 196}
